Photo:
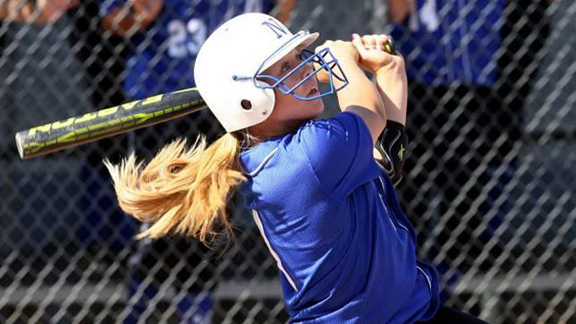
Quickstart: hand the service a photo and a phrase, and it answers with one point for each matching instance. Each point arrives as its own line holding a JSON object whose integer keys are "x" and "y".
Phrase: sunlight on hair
{"x": 182, "y": 190}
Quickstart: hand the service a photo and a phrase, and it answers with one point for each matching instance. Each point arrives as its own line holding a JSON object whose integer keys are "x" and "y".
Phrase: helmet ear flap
{"x": 247, "y": 106}
{"x": 265, "y": 99}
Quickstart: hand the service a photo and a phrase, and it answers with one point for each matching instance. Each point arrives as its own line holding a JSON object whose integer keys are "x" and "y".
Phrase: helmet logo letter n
{"x": 275, "y": 27}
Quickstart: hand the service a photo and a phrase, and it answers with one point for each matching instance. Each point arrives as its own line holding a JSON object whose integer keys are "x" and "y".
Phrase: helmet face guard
{"x": 322, "y": 60}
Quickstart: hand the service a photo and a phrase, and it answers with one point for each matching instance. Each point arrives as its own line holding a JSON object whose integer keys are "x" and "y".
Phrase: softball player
{"x": 326, "y": 210}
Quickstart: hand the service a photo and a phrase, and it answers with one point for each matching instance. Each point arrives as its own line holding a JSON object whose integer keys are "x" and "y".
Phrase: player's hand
{"x": 372, "y": 56}
{"x": 343, "y": 51}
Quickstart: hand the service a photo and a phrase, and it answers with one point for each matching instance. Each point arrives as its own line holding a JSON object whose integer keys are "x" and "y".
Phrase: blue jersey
{"x": 164, "y": 61}
{"x": 331, "y": 218}
{"x": 452, "y": 41}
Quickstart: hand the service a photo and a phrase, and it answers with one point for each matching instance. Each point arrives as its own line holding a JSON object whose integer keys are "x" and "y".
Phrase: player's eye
{"x": 285, "y": 67}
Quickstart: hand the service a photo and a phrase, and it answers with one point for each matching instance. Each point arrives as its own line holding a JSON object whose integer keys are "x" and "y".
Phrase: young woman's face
{"x": 289, "y": 112}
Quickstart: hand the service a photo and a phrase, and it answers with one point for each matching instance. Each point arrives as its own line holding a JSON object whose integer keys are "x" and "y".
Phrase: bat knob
{"x": 20, "y": 144}
{"x": 390, "y": 46}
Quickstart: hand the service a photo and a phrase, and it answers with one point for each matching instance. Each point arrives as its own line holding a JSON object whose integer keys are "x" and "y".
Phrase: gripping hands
{"x": 371, "y": 52}
{"x": 374, "y": 51}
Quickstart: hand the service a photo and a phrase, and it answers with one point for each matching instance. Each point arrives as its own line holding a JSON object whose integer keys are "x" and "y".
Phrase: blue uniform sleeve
{"x": 107, "y": 6}
{"x": 340, "y": 151}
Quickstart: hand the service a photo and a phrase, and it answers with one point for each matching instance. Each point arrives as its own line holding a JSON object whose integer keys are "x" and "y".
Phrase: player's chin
{"x": 315, "y": 107}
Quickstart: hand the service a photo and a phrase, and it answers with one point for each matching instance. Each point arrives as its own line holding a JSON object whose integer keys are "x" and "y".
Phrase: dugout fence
{"x": 489, "y": 183}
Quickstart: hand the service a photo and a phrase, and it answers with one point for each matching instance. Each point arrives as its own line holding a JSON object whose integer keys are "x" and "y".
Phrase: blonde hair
{"x": 183, "y": 190}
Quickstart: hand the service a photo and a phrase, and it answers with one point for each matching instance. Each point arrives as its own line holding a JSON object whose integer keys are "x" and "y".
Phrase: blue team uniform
{"x": 331, "y": 219}
{"x": 164, "y": 62}
{"x": 457, "y": 41}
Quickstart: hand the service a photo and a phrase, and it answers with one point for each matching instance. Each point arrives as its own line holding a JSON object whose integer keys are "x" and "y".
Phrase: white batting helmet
{"x": 229, "y": 65}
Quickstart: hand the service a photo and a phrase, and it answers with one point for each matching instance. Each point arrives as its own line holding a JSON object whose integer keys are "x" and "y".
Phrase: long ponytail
{"x": 182, "y": 190}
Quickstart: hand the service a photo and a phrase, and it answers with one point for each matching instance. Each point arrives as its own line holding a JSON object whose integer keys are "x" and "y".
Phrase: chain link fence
{"x": 489, "y": 181}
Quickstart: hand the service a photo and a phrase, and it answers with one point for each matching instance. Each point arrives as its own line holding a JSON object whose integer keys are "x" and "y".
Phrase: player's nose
{"x": 309, "y": 83}
{"x": 305, "y": 72}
